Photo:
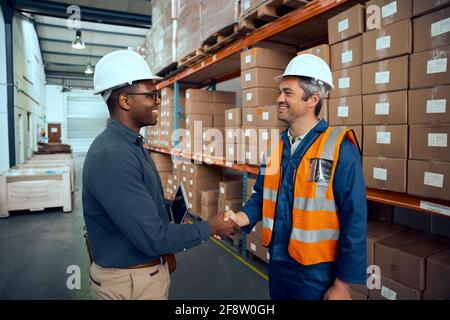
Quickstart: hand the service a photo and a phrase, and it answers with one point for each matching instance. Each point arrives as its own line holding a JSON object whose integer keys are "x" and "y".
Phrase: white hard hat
{"x": 118, "y": 69}
{"x": 308, "y": 65}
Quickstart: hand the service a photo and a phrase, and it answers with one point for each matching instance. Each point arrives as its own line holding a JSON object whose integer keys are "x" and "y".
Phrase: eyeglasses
{"x": 155, "y": 95}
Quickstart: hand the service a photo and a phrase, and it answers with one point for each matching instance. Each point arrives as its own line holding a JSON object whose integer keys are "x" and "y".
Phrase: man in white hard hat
{"x": 130, "y": 238}
{"x": 313, "y": 205}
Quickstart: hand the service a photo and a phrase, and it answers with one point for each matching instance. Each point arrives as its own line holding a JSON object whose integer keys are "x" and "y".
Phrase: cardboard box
{"x": 203, "y": 183}
{"x": 429, "y": 106}
{"x": 233, "y": 204}
{"x": 429, "y": 142}
{"x": 420, "y": 7}
{"x": 385, "y": 173}
{"x": 413, "y": 219}
{"x": 255, "y": 246}
{"x": 323, "y": 114}
{"x": 226, "y": 97}
{"x": 234, "y": 135}
{"x": 429, "y": 179}
{"x": 218, "y": 108}
{"x": 355, "y": 295}
{"x": 440, "y": 225}
{"x": 432, "y": 31}
{"x": 257, "y": 230}
{"x": 438, "y": 274}
{"x": 249, "y": 117}
{"x": 391, "y": 41}
{"x": 386, "y": 141}
{"x": 345, "y": 111}
{"x": 199, "y": 95}
{"x": 231, "y": 189}
{"x": 207, "y": 212}
{"x": 195, "y": 107}
{"x": 268, "y": 117}
{"x": 379, "y": 212}
{"x": 259, "y": 77}
{"x": 218, "y": 120}
{"x": 210, "y": 197}
{"x": 430, "y": 68}
{"x": 346, "y": 24}
{"x": 253, "y": 154}
{"x": 402, "y": 257}
{"x": 358, "y": 130}
{"x": 233, "y": 117}
{"x": 162, "y": 162}
{"x": 394, "y": 290}
{"x": 206, "y": 120}
{"x": 346, "y": 54}
{"x": 386, "y": 108}
{"x": 250, "y": 183}
{"x": 258, "y": 97}
{"x": 376, "y": 232}
{"x": 202, "y": 170}
{"x": 267, "y": 58}
{"x": 386, "y": 75}
{"x": 347, "y": 82}
{"x": 429, "y": 296}
{"x": 322, "y": 51}
{"x": 391, "y": 11}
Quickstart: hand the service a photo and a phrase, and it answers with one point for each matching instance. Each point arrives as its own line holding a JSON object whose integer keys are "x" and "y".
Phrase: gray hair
{"x": 311, "y": 86}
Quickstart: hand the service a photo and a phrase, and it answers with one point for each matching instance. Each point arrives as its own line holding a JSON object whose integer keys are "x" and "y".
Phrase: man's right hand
{"x": 218, "y": 226}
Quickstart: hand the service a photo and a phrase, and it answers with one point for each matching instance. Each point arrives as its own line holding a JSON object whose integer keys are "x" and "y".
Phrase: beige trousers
{"x": 150, "y": 283}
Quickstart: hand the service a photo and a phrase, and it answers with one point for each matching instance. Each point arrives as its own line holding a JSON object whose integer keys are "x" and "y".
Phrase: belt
{"x": 153, "y": 263}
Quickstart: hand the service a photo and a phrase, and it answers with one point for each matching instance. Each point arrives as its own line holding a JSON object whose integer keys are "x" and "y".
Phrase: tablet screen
{"x": 178, "y": 207}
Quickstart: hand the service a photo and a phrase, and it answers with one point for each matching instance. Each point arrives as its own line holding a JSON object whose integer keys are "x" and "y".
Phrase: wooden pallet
{"x": 191, "y": 58}
{"x": 222, "y": 38}
{"x": 167, "y": 70}
{"x": 268, "y": 11}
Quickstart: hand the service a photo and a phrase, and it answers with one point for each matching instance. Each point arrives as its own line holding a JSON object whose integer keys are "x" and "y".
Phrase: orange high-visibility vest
{"x": 315, "y": 224}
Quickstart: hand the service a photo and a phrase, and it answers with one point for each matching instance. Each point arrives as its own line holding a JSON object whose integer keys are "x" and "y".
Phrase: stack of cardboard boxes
{"x": 164, "y": 167}
{"x": 399, "y": 93}
{"x": 230, "y": 196}
{"x": 429, "y": 99}
{"x": 345, "y": 39}
{"x": 197, "y": 178}
{"x": 160, "y": 135}
{"x": 259, "y": 116}
{"x": 322, "y": 51}
{"x": 385, "y": 84}
{"x": 205, "y": 110}
{"x": 254, "y": 243}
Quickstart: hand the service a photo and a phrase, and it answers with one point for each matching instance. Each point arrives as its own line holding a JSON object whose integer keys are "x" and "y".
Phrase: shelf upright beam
{"x": 244, "y": 200}
{"x": 176, "y": 98}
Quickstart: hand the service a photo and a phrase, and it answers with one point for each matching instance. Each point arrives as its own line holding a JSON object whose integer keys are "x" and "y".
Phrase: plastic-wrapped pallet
{"x": 188, "y": 27}
{"x": 215, "y": 15}
{"x": 163, "y": 36}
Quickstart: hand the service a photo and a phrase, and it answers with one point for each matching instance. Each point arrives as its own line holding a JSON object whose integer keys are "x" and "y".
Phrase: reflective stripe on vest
{"x": 315, "y": 222}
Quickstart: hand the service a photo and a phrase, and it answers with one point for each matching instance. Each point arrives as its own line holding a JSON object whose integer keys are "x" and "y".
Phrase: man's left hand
{"x": 338, "y": 291}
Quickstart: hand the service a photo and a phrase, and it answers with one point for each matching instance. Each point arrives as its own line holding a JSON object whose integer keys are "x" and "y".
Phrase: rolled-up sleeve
{"x": 123, "y": 194}
{"x": 253, "y": 207}
{"x": 350, "y": 196}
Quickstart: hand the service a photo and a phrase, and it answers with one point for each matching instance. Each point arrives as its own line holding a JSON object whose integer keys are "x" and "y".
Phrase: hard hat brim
{"x": 126, "y": 83}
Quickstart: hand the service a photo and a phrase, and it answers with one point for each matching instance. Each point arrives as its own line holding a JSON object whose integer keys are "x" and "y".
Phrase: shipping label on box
{"x": 429, "y": 106}
{"x": 346, "y": 54}
{"x": 429, "y": 142}
{"x": 346, "y": 24}
{"x": 386, "y": 141}
{"x": 430, "y": 68}
{"x": 386, "y": 75}
{"x": 347, "y": 82}
{"x": 385, "y": 173}
{"x": 386, "y": 108}
{"x": 345, "y": 111}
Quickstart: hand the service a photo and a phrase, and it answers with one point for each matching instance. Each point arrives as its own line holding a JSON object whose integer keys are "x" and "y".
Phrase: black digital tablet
{"x": 179, "y": 207}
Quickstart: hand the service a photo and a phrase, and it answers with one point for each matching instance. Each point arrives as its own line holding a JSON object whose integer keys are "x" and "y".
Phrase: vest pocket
{"x": 320, "y": 171}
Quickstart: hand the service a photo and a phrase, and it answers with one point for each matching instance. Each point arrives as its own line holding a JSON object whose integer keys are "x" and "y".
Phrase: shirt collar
{"x": 293, "y": 139}
{"x": 125, "y": 131}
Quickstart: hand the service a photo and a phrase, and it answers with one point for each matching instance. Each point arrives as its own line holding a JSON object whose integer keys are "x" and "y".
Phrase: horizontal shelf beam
{"x": 427, "y": 205}
{"x": 285, "y": 22}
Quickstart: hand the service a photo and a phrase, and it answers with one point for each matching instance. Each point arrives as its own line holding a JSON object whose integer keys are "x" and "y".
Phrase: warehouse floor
{"x": 36, "y": 249}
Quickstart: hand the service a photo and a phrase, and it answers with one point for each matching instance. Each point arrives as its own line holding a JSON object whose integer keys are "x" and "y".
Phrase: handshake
{"x": 224, "y": 225}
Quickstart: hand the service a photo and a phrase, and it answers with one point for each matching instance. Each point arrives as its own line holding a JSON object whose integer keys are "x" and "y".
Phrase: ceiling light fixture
{"x": 78, "y": 43}
{"x": 88, "y": 69}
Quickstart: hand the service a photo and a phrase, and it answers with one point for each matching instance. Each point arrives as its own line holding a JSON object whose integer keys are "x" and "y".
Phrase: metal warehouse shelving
{"x": 303, "y": 28}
